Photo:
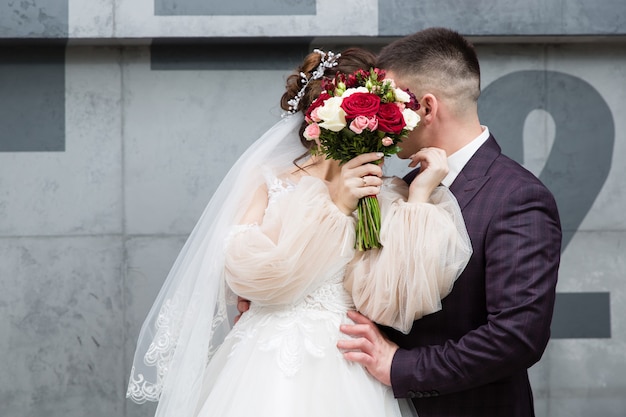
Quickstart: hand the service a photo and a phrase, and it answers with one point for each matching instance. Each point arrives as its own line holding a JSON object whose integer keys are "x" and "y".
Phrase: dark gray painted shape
{"x": 582, "y": 315}
{"x": 234, "y": 7}
{"x": 580, "y": 159}
{"x": 228, "y": 56}
{"x": 504, "y": 17}
{"x": 34, "y": 19}
{"x": 32, "y": 98}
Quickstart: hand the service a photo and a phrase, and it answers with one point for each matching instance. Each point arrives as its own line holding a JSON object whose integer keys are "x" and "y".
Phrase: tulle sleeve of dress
{"x": 303, "y": 238}
{"x": 425, "y": 249}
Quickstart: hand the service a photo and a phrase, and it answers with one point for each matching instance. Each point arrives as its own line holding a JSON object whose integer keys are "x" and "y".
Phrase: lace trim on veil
{"x": 161, "y": 350}
{"x": 159, "y": 354}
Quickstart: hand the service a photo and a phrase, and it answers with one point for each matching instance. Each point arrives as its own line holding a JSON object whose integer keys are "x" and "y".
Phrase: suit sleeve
{"x": 522, "y": 254}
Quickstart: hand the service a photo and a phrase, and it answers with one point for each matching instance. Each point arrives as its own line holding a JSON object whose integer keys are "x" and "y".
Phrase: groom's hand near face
{"x": 368, "y": 346}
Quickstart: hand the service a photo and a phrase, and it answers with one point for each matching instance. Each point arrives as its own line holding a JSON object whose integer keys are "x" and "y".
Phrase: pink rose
{"x": 317, "y": 103}
{"x": 358, "y": 124}
{"x": 387, "y": 141}
{"x": 372, "y": 123}
{"x": 314, "y": 115}
{"x": 312, "y": 132}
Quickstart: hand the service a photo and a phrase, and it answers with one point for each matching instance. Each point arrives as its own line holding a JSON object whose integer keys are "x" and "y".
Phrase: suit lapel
{"x": 474, "y": 176}
{"x": 464, "y": 190}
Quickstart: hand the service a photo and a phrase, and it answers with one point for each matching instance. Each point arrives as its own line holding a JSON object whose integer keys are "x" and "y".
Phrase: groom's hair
{"x": 435, "y": 60}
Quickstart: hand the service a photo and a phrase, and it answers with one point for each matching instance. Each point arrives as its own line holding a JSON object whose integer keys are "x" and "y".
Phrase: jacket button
{"x": 410, "y": 394}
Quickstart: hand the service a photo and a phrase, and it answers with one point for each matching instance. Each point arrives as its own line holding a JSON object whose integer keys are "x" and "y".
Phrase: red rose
{"x": 352, "y": 81}
{"x": 413, "y": 103}
{"x": 390, "y": 118}
{"x": 317, "y": 103}
{"x": 328, "y": 85}
{"x": 361, "y": 104}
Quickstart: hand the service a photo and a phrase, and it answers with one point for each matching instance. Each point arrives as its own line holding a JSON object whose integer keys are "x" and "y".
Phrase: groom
{"x": 470, "y": 358}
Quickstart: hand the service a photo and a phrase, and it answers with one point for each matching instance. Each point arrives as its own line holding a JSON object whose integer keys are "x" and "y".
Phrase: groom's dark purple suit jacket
{"x": 471, "y": 358}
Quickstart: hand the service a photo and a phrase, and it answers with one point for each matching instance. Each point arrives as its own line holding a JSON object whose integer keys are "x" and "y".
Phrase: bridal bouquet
{"x": 359, "y": 113}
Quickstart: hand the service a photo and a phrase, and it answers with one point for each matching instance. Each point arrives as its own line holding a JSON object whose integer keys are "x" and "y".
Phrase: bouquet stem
{"x": 368, "y": 224}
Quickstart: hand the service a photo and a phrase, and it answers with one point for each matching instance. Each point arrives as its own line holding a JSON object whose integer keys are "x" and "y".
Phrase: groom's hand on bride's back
{"x": 242, "y": 306}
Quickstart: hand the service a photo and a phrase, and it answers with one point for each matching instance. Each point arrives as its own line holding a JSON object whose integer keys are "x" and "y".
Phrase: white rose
{"x": 410, "y": 118}
{"x": 333, "y": 116}
{"x": 351, "y": 91}
{"x": 402, "y": 95}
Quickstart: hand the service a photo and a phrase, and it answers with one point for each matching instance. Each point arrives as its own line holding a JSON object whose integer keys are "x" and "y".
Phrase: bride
{"x": 279, "y": 231}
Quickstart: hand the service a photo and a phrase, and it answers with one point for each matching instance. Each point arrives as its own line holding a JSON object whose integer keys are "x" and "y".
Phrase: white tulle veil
{"x": 190, "y": 318}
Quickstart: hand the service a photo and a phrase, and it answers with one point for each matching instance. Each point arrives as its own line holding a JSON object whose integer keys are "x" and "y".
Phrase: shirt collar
{"x": 460, "y": 158}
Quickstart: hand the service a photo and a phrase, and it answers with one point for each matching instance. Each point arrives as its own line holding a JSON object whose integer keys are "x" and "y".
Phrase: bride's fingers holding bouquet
{"x": 371, "y": 181}
{"x": 369, "y": 186}
{"x": 433, "y": 169}
{"x": 364, "y": 164}
{"x": 363, "y": 171}
{"x": 359, "y": 178}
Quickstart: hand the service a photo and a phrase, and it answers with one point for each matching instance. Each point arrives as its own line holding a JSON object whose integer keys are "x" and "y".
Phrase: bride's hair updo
{"x": 351, "y": 60}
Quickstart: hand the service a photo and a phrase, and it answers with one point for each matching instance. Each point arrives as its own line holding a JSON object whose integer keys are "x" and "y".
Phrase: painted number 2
{"x": 576, "y": 167}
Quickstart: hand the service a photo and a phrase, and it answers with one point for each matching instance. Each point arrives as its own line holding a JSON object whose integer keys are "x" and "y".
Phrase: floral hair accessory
{"x": 359, "y": 113}
{"x": 329, "y": 60}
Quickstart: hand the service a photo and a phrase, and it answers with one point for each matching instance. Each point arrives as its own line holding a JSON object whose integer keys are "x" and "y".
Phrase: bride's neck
{"x": 322, "y": 168}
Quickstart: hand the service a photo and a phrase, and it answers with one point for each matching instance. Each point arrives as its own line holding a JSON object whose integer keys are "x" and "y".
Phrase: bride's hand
{"x": 433, "y": 169}
{"x": 359, "y": 178}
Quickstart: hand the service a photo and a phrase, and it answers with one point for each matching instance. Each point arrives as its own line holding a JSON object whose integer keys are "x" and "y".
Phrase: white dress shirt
{"x": 457, "y": 160}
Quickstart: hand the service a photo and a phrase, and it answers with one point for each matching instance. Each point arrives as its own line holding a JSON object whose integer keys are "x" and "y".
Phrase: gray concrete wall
{"x": 134, "y": 19}
{"x": 116, "y": 125}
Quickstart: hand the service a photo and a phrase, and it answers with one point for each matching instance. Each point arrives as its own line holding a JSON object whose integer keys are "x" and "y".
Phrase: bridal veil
{"x": 190, "y": 318}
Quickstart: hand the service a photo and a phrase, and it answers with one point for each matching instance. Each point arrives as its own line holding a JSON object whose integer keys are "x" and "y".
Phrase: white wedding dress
{"x": 302, "y": 274}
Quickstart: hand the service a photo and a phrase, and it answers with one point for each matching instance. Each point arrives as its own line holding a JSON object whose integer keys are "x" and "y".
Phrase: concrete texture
{"x": 258, "y": 7}
{"x": 183, "y": 132}
{"x": 139, "y": 19}
{"x": 144, "y": 134}
{"x": 77, "y": 191}
{"x": 32, "y": 81}
{"x": 146, "y": 19}
{"x": 505, "y": 18}
{"x": 61, "y": 317}
{"x": 33, "y": 19}
{"x": 583, "y": 377}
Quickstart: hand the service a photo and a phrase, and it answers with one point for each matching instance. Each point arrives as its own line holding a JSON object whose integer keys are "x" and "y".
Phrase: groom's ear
{"x": 428, "y": 106}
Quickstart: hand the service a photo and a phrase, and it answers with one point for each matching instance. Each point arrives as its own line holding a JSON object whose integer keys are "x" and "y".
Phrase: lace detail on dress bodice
{"x": 277, "y": 187}
{"x": 295, "y": 328}
{"x": 331, "y": 296}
